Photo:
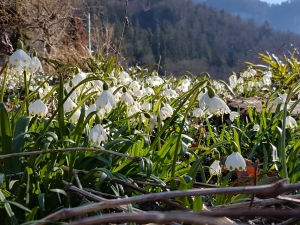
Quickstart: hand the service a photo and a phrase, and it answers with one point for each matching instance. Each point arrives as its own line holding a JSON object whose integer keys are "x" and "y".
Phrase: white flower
{"x": 232, "y": 81}
{"x": 127, "y": 99}
{"x": 153, "y": 121}
{"x": 235, "y": 161}
{"x": 268, "y": 74}
{"x": 233, "y": 115}
{"x": 38, "y": 108}
{"x": 133, "y": 109}
{"x": 135, "y": 86}
{"x": 267, "y": 80}
{"x": 106, "y": 100}
{"x": 124, "y": 78}
{"x": 165, "y": 111}
{"x": 169, "y": 93}
{"x": 217, "y": 106}
{"x": 147, "y": 106}
{"x": 75, "y": 117}
{"x": 148, "y": 91}
{"x": 78, "y": 78}
{"x": 186, "y": 82}
{"x": 215, "y": 168}
{"x": 97, "y": 135}
{"x": 98, "y": 85}
{"x": 155, "y": 81}
{"x": 198, "y": 112}
{"x": 240, "y": 80}
{"x": 19, "y": 59}
{"x": 69, "y": 105}
{"x": 290, "y": 122}
{"x": 256, "y": 127}
{"x": 34, "y": 65}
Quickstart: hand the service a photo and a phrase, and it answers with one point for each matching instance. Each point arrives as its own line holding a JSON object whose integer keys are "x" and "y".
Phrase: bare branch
{"x": 272, "y": 190}
{"x": 133, "y": 158}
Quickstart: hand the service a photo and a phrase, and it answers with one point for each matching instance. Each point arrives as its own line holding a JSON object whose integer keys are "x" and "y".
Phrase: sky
{"x": 274, "y": 1}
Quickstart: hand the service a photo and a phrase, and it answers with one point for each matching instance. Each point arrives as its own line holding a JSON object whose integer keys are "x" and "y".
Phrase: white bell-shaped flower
{"x": 19, "y": 59}
{"x": 198, "y": 112}
{"x": 165, "y": 112}
{"x": 148, "y": 91}
{"x": 170, "y": 93}
{"x": 69, "y": 105}
{"x": 38, "y": 108}
{"x": 124, "y": 78}
{"x": 34, "y": 65}
{"x": 106, "y": 100}
{"x": 235, "y": 161}
{"x": 135, "y": 86}
{"x": 233, "y": 115}
{"x": 256, "y": 127}
{"x": 147, "y": 106}
{"x": 78, "y": 78}
{"x": 217, "y": 106}
{"x": 127, "y": 99}
{"x": 290, "y": 122}
{"x": 97, "y": 135}
{"x": 75, "y": 116}
{"x": 232, "y": 81}
{"x": 215, "y": 168}
{"x": 155, "y": 81}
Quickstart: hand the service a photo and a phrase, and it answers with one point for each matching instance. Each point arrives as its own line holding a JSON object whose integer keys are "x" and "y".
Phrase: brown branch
{"x": 154, "y": 217}
{"x": 272, "y": 190}
{"x": 186, "y": 217}
{"x": 288, "y": 199}
{"x": 292, "y": 220}
{"x": 143, "y": 191}
{"x": 98, "y": 193}
{"x": 93, "y": 197}
{"x": 130, "y": 185}
{"x": 257, "y": 203}
{"x": 133, "y": 158}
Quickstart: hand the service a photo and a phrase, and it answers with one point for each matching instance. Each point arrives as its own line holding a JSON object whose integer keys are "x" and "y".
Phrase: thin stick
{"x": 288, "y": 199}
{"x": 153, "y": 217}
{"x": 292, "y": 220}
{"x": 133, "y": 158}
{"x": 121, "y": 38}
{"x": 130, "y": 185}
{"x": 93, "y": 197}
{"x": 257, "y": 203}
{"x": 272, "y": 190}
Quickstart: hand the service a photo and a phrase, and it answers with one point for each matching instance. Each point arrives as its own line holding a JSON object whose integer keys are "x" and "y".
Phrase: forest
{"x": 184, "y": 37}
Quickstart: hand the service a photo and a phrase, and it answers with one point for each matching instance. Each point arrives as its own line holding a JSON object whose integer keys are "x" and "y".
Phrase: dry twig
{"x": 133, "y": 158}
{"x": 272, "y": 190}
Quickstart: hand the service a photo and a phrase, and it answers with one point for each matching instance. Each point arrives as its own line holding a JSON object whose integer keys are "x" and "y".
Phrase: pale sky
{"x": 274, "y": 1}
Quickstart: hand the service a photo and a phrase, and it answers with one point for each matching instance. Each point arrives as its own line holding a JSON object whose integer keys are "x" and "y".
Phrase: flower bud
{"x": 105, "y": 86}
{"x": 210, "y": 92}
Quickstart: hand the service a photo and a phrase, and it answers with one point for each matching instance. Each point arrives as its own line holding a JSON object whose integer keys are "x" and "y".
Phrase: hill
{"x": 184, "y": 37}
{"x": 283, "y": 17}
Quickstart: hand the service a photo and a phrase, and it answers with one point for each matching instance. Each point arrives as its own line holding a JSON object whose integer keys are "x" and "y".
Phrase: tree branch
{"x": 272, "y": 190}
{"x": 133, "y": 158}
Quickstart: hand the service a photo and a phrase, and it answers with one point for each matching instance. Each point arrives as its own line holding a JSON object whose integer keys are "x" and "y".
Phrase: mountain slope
{"x": 283, "y": 17}
{"x": 184, "y": 37}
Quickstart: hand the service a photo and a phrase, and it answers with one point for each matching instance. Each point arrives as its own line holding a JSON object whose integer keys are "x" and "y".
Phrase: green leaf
{"x": 198, "y": 203}
{"x": 2, "y": 180}
{"x": 8, "y": 209}
{"x": 31, "y": 215}
{"x": 22, "y": 125}
{"x": 18, "y": 205}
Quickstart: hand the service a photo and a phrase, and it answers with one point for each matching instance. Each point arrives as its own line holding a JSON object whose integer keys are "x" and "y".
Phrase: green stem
{"x": 4, "y": 81}
{"x": 178, "y": 142}
{"x": 26, "y": 93}
{"x": 282, "y": 140}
